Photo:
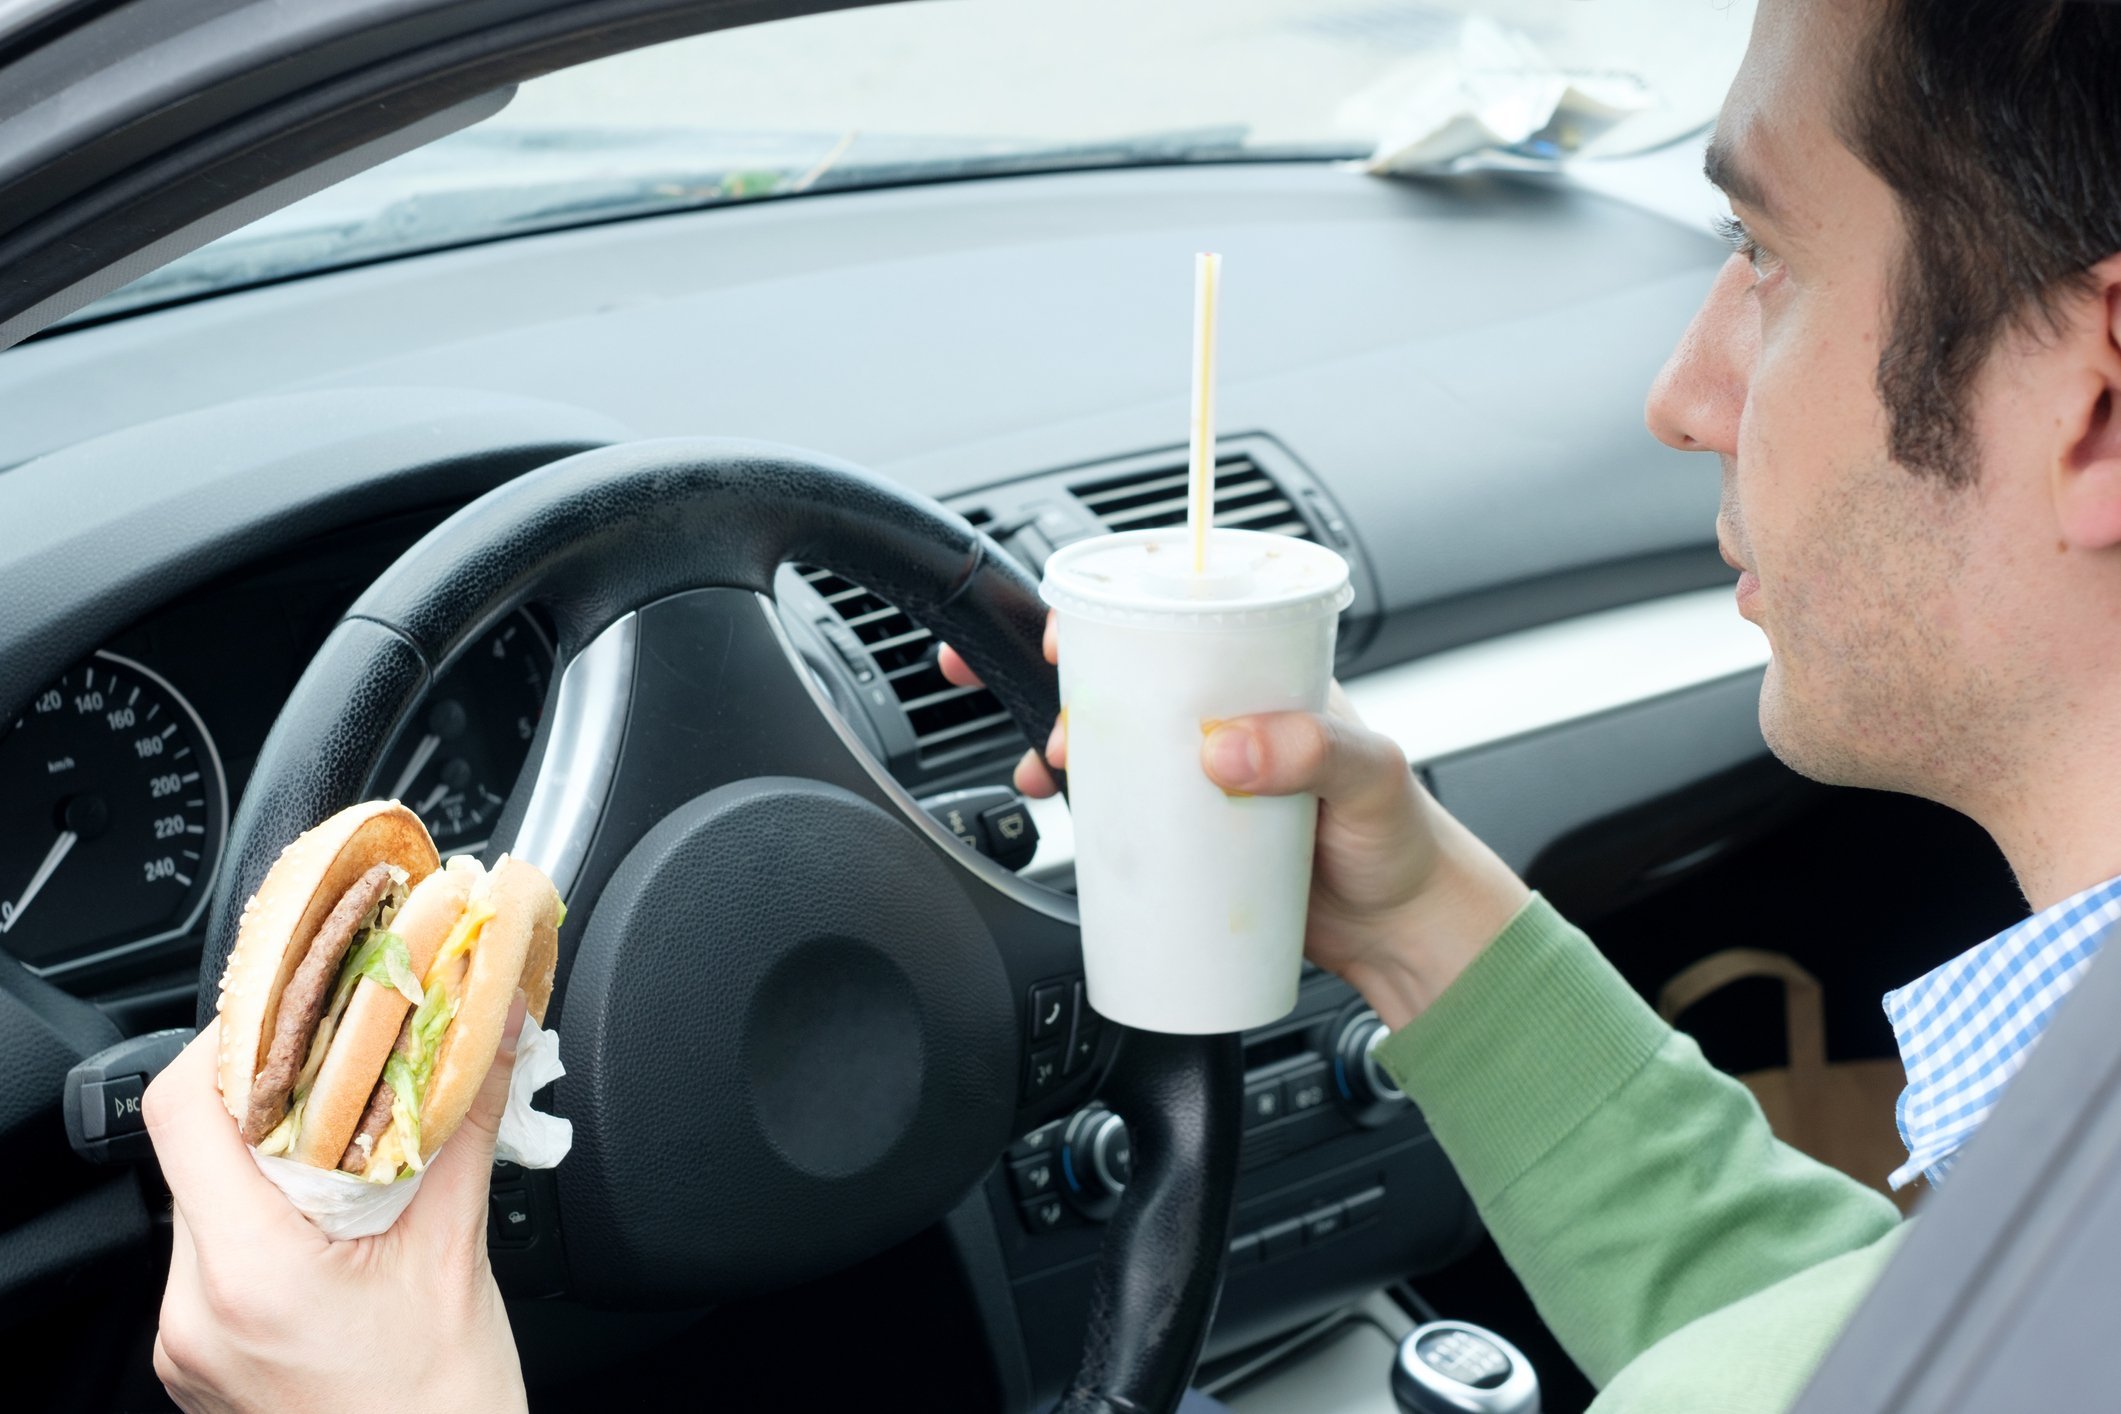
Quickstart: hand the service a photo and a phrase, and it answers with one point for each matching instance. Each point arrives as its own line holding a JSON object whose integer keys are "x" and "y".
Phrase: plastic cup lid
{"x": 1147, "y": 577}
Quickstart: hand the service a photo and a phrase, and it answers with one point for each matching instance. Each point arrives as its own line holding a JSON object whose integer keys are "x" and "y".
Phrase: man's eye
{"x": 1740, "y": 240}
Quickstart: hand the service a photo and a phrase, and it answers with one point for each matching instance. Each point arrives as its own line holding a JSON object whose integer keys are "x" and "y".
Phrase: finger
{"x": 1033, "y": 779}
{"x": 959, "y": 672}
{"x": 216, "y": 1185}
{"x": 183, "y": 1290}
{"x": 182, "y": 1298}
{"x": 453, "y": 1195}
{"x": 1286, "y": 753}
{"x": 955, "y": 669}
{"x": 1338, "y": 704}
{"x": 172, "y": 1378}
{"x": 165, "y": 1368}
{"x": 1034, "y": 776}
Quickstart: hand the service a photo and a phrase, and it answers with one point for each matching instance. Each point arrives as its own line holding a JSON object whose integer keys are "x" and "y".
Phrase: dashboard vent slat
{"x": 957, "y": 728}
{"x": 952, "y": 726}
{"x": 1246, "y": 498}
{"x": 1133, "y": 487}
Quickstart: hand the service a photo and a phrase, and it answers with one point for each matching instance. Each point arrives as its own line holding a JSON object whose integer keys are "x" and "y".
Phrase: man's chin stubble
{"x": 1846, "y": 747}
{"x": 1813, "y": 748}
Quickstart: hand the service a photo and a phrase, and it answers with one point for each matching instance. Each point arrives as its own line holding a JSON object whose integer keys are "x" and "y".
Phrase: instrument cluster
{"x": 117, "y": 780}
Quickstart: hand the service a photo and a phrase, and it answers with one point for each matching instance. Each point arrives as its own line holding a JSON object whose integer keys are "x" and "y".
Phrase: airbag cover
{"x": 790, "y": 1042}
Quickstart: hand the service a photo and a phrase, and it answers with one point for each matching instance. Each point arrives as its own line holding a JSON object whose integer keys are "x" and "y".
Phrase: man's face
{"x": 1880, "y": 589}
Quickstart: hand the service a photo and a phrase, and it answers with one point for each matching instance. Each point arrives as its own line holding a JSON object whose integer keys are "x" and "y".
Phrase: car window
{"x": 952, "y": 88}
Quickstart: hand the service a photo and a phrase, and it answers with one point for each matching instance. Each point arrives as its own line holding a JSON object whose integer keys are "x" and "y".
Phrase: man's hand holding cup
{"x": 1403, "y": 896}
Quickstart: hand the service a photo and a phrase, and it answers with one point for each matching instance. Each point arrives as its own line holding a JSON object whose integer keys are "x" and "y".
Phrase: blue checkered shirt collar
{"x": 1967, "y": 1028}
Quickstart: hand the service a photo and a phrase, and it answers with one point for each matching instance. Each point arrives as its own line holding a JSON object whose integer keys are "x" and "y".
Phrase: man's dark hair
{"x": 1997, "y": 123}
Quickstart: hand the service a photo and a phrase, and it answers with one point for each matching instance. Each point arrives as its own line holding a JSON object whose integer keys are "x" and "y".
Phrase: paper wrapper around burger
{"x": 344, "y": 1206}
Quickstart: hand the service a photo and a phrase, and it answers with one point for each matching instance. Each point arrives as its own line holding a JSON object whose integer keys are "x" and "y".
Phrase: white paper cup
{"x": 1192, "y": 900}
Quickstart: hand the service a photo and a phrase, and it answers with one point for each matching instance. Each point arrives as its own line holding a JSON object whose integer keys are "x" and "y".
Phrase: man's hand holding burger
{"x": 264, "y": 1312}
{"x": 1403, "y": 896}
{"x": 369, "y": 1013}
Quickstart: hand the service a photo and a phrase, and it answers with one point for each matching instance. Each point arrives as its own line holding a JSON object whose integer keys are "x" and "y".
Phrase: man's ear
{"x": 2087, "y": 476}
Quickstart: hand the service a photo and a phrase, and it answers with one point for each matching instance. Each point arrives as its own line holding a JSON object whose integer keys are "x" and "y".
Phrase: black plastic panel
{"x": 1524, "y": 795}
{"x": 1296, "y": 1169}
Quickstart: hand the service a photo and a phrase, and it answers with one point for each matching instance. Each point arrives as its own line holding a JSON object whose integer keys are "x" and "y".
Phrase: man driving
{"x": 1907, "y": 370}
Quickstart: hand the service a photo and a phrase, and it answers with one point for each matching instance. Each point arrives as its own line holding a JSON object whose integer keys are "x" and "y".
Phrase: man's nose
{"x": 1695, "y": 403}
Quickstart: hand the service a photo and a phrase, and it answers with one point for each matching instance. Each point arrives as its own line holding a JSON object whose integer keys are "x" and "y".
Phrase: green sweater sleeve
{"x": 1632, "y": 1186}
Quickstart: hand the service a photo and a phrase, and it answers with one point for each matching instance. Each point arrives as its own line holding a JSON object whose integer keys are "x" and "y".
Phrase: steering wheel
{"x": 794, "y": 1011}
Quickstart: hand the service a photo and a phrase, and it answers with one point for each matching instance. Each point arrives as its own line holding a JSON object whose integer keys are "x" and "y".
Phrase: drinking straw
{"x": 1200, "y": 506}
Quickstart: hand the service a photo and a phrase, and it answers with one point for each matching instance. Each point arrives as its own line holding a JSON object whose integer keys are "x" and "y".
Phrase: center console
{"x": 1342, "y": 1189}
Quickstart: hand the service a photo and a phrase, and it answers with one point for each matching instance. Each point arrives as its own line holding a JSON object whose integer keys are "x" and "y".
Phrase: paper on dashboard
{"x": 1493, "y": 102}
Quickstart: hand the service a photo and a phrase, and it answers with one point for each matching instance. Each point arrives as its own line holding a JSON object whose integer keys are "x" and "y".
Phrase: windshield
{"x": 944, "y": 89}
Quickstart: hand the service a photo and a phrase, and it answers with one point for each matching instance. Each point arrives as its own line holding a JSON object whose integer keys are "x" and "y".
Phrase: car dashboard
{"x": 1441, "y": 380}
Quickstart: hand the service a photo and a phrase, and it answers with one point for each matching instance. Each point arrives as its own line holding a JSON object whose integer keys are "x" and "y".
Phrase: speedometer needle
{"x": 433, "y": 797}
{"x": 421, "y": 754}
{"x": 58, "y": 851}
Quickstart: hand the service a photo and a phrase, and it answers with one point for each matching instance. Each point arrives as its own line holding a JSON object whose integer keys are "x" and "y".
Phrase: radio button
{"x": 1368, "y": 1088}
{"x": 1034, "y": 1178}
{"x": 1307, "y": 1090}
{"x": 1039, "y": 1141}
{"x": 1050, "y": 1011}
{"x": 1082, "y": 1043}
{"x": 1111, "y": 1154}
{"x": 1043, "y": 1072}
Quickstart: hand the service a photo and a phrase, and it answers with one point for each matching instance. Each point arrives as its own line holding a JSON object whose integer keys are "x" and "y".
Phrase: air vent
{"x": 953, "y": 727}
{"x": 1246, "y": 498}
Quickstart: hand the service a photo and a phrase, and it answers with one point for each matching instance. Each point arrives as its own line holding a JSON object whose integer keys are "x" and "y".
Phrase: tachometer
{"x": 113, "y": 808}
{"x": 461, "y": 752}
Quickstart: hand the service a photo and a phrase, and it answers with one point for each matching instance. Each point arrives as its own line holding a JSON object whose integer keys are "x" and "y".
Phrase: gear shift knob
{"x": 1453, "y": 1367}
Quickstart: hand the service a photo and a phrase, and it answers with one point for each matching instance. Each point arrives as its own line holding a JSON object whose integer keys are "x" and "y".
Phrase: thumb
{"x": 454, "y": 1192}
{"x": 1342, "y": 762}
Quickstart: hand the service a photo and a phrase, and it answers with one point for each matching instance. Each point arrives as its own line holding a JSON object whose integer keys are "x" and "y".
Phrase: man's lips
{"x": 1748, "y": 581}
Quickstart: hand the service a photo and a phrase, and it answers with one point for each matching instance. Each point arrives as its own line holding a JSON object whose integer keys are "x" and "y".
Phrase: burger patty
{"x": 374, "y": 1121}
{"x": 303, "y": 1000}
{"x": 376, "y": 1118}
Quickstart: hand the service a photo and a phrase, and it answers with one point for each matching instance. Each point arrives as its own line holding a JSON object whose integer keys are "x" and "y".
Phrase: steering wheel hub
{"x": 784, "y": 985}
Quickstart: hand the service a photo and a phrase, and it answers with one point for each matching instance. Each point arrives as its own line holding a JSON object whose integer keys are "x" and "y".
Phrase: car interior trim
{"x": 1050, "y": 902}
{"x": 245, "y": 210}
{"x": 581, "y": 755}
{"x": 1545, "y": 677}
{"x": 1519, "y": 684}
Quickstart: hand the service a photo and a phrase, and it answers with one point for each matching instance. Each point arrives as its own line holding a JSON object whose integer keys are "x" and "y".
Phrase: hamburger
{"x": 363, "y": 1002}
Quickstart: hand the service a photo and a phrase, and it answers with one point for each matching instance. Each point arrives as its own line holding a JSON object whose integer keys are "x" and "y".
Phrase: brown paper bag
{"x": 1840, "y": 1113}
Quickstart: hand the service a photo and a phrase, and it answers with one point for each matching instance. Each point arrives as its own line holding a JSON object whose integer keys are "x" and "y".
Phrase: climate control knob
{"x": 1097, "y": 1159}
{"x": 1364, "y": 1084}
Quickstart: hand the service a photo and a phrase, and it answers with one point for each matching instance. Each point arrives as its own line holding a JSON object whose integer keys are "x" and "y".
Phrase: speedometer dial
{"x": 113, "y": 808}
{"x": 458, "y": 756}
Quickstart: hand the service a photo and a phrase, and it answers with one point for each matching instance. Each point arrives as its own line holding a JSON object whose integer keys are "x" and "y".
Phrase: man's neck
{"x": 2061, "y": 829}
